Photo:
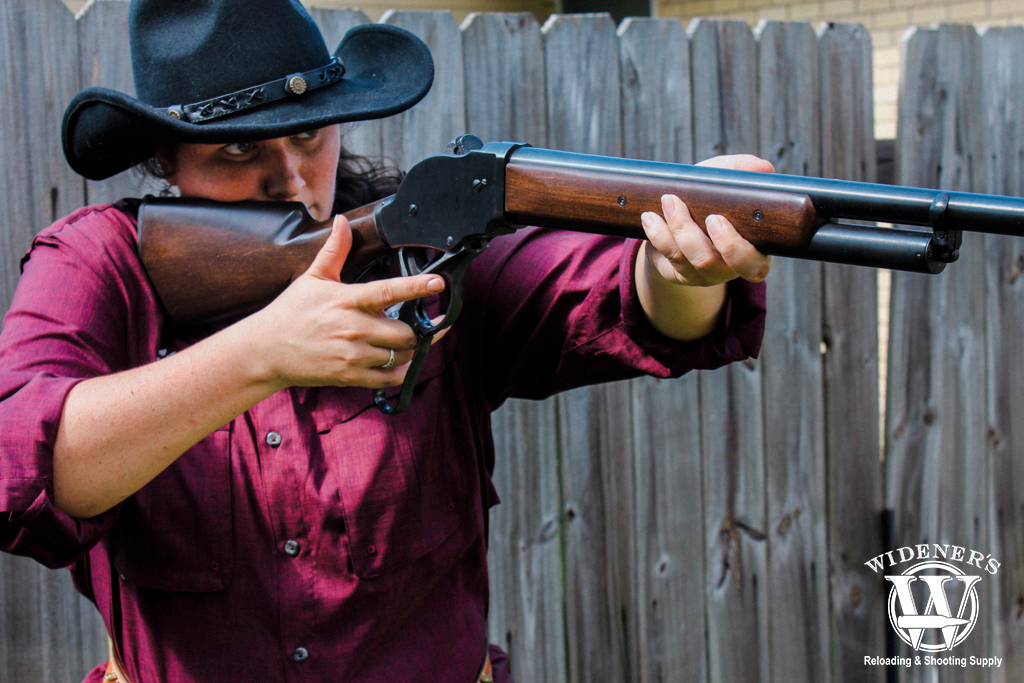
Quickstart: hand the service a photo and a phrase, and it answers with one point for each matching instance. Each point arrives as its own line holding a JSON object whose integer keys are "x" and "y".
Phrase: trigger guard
{"x": 419, "y": 321}
{"x": 452, "y": 267}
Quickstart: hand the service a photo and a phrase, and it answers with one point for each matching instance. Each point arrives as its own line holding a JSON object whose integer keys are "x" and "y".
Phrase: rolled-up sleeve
{"x": 83, "y": 308}
{"x": 559, "y": 310}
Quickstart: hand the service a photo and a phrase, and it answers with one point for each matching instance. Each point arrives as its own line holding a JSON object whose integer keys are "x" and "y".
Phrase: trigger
{"x": 413, "y": 260}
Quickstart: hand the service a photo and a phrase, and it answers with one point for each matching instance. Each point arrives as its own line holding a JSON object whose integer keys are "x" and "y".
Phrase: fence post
{"x": 504, "y": 71}
{"x": 798, "y": 605}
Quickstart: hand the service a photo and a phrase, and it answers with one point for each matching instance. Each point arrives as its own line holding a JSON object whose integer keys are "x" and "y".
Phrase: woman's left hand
{"x": 682, "y": 270}
{"x": 685, "y": 254}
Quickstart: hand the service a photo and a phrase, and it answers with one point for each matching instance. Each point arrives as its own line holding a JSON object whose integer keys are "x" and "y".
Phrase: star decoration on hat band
{"x": 293, "y": 85}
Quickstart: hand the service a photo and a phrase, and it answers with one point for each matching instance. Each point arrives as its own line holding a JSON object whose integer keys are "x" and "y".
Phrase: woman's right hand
{"x": 320, "y": 331}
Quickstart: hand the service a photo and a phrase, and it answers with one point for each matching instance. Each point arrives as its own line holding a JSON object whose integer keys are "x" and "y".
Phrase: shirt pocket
{"x": 177, "y": 532}
{"x": 401, "y": 498}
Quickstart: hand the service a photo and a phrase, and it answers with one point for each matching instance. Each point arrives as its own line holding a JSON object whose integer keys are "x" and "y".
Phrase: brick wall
{"x": 885, "y": 19}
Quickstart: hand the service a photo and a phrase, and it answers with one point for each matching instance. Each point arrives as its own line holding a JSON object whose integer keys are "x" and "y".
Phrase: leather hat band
{"x": 255, "y": 96}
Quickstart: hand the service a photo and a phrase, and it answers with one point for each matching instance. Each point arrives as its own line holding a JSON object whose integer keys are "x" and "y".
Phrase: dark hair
{"x": 359, "y": 181}
{"x": 151, "y": 168}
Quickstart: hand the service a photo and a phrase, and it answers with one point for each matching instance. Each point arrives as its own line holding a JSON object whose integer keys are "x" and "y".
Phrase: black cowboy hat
{"x": 218, "y": 71}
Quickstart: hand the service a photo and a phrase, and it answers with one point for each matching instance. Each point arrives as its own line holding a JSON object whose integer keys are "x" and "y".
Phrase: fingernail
{"x": 435, "y": 285}
{"x": 645, "y": 219}
{"x": 714, "y": 224}
{"x": 667, "y": 205}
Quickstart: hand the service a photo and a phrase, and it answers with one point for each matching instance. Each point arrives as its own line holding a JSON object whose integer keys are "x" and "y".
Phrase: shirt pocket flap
{"x": 177, "y": 532}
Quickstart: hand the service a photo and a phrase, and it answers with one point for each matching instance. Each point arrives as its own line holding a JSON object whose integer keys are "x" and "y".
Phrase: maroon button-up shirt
{"x": 313, "y": 537}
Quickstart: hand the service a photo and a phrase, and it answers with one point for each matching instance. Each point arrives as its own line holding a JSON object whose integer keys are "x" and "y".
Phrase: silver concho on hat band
{"x": 292, "y": 85}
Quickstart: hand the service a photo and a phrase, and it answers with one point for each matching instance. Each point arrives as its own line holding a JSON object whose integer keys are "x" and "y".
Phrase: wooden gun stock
{"x": 209, "y": 260}
{"x": 611, "y": 204}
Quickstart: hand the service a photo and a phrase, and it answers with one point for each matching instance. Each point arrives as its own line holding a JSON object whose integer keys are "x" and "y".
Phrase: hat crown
{"x": 191, "y": 50}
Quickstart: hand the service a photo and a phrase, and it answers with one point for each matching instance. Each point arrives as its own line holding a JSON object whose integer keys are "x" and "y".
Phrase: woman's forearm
{"x": 678, "y": 311}
{"x": 119, "y": 431}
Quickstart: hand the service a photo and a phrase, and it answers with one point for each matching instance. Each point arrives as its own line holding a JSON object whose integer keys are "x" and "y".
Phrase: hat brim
{"x": 387, "y": 70}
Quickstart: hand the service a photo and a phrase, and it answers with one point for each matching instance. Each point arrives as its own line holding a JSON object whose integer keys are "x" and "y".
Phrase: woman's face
{"x": 298, "y": 168}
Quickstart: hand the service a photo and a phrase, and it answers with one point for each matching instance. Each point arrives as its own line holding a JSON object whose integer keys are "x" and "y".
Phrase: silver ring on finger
{"x": 390, "y": 363}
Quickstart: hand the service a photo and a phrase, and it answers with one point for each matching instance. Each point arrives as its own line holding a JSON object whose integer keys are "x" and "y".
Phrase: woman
{"x": 235, "y": 506}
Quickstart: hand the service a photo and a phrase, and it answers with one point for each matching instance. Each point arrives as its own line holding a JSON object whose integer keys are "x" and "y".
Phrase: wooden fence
{"x": 716, "y": 527}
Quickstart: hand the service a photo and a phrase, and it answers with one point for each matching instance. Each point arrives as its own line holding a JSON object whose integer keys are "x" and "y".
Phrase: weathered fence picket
{"x": 1002, "y": 53}
{"x": 597, "y": 478}
{"x": 723, "y": 63}
{"x": 789, "y": 136}
{"x": 936, "y": 426}
{"x": 712, "y": 528}
{"x": 505, "y": 100}
{"x": 441, "y": 115}
{"x": 850, "y": 317}
{"x": 669, "y": 592}
{"x": 39, "y": 610}
{"x": 504, "y": 71}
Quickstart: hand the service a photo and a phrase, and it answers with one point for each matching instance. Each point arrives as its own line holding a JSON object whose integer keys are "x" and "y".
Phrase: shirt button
{"x": 300, "y": 654}
{"x": 273, "y": 439}
{"x": 291, "y": 547}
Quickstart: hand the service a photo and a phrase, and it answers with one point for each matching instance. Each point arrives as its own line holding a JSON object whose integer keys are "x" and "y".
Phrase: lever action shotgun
{"x": 208, "y": 259}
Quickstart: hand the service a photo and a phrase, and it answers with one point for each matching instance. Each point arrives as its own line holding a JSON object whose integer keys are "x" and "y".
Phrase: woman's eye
{"x": 237, "y": 149}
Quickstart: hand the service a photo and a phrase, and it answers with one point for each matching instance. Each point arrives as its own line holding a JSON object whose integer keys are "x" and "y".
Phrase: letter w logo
{"x": 937, "y": 613}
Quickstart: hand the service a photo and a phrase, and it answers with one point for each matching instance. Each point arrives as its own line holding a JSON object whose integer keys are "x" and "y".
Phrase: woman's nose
{"x": 283, "y": 177}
